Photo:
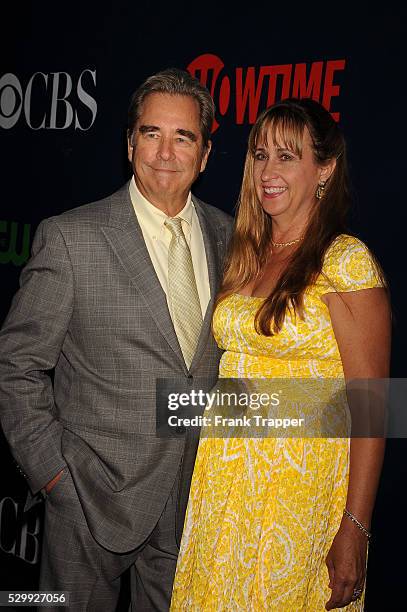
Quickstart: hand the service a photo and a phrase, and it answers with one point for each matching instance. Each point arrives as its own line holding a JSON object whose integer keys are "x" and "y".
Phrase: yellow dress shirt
{"x": 157, "y": 238}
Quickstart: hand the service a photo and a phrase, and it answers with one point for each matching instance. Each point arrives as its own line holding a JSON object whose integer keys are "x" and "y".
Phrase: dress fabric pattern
{"x": 263, "y": 512}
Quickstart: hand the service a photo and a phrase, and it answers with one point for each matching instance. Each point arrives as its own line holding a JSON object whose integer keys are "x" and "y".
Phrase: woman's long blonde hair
{"x": 250, "y": 244}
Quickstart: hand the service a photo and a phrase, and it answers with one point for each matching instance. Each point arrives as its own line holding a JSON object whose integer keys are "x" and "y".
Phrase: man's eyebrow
{"x": 187, "y": 134}
{"x": 143, "y": 129}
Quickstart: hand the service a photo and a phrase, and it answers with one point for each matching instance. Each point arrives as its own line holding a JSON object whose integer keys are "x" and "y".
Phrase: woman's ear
{"x": 327, "y": 170}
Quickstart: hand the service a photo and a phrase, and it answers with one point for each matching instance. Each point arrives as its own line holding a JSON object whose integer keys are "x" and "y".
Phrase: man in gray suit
{"x": 117, "y": 294}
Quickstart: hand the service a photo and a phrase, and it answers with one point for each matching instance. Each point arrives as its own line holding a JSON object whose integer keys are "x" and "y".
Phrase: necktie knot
{"x": 174, "y": 224}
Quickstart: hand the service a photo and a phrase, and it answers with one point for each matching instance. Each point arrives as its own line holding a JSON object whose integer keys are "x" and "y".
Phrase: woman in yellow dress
{"x": 282, "y": 524}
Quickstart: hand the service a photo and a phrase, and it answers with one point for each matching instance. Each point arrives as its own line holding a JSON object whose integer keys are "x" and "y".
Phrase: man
{"x": 118, "y": 293}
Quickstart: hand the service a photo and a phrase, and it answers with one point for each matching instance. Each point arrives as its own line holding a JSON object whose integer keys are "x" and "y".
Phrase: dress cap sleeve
{"x": 350, "y": 266}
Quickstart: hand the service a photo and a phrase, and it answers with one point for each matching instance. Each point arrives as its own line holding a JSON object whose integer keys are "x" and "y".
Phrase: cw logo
{"x": 246, "y": 88}
{"x": 15, "y": 247}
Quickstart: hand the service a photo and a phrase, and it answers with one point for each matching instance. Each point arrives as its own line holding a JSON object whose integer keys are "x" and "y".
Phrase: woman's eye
{"x": 286, "y": 157}
{"x": 259, "y": 156}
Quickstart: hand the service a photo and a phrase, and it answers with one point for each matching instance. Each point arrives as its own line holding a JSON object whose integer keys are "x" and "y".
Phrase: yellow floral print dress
{"x": 263, "y": 512}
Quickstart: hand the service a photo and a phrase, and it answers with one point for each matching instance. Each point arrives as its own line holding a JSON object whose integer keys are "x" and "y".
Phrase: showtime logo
{"x": 53, "y": 101}
{"x": 245, "y": 88}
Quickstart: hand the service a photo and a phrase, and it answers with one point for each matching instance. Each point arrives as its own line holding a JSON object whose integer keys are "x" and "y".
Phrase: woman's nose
{"x": 269, "y": 171}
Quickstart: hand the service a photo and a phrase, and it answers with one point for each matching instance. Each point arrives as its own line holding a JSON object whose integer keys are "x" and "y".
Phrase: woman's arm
{"x": 362, "y": 324}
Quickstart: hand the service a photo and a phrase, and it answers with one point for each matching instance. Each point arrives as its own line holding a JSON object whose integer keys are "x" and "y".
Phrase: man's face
{"x": 168, "y": 153}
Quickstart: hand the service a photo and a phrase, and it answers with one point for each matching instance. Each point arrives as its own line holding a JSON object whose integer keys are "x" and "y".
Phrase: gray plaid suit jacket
{"x": 91, "y": 306}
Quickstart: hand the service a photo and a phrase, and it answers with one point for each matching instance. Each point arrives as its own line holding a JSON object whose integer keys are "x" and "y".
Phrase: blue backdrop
{"x": 65, "y": 81}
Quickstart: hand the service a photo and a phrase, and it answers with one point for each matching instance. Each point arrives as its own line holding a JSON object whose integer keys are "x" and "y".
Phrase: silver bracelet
{"x": 357, "y": 523}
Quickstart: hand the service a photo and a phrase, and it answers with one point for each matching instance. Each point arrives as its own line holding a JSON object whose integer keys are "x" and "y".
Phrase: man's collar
{"x": 143, "y": 207}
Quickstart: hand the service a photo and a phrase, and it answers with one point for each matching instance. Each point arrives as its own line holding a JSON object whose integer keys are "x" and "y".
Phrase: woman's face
{"x": 286, "y": 183}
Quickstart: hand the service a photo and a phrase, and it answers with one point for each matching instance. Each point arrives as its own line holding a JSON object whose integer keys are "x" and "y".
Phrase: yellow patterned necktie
{"x": 183, "y": 295}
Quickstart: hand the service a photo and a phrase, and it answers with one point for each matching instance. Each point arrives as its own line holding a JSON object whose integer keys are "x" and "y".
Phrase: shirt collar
{"x": 147, "y": 211}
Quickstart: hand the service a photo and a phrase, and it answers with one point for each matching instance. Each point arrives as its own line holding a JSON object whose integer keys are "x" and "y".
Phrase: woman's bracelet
{"x": 357, "y": 523}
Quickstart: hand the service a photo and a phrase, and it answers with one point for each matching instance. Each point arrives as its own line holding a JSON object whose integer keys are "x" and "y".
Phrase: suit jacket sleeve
{"x": 30, "y": 344}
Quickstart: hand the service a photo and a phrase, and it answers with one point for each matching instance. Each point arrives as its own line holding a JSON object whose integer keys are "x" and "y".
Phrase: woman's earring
{"x": 320, "y": 190}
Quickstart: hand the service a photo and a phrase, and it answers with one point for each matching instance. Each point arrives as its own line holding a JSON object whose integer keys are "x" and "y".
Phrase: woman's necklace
{"x": 285, "y": 244}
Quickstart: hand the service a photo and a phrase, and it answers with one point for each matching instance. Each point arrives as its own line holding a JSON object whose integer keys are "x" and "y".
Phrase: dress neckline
{"x": 250, "y": 297}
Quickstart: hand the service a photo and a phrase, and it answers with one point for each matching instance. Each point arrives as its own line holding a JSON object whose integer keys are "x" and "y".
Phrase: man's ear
{"x": 130, "y": 147}
{"x": 205, "y": 156}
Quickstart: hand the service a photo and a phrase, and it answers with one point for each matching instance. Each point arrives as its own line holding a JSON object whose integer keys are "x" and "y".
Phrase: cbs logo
{"x": 52, "y": 101}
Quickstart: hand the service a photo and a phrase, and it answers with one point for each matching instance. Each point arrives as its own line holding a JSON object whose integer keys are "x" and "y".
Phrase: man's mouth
{"x": 160, "y": 169}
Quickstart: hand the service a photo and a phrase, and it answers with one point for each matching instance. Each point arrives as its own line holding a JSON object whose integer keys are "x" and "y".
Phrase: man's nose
{"x": 166, "y": 149}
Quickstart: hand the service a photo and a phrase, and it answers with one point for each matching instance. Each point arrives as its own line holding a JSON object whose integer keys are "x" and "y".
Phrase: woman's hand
{"x": 346, "y": 562}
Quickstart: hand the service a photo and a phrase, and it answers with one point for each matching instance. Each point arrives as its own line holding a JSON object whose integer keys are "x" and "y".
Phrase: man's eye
{"x": 152, "y": 135}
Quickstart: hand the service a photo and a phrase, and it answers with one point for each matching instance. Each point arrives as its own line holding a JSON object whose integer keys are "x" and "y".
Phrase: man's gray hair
{"x": 174, "y": 81}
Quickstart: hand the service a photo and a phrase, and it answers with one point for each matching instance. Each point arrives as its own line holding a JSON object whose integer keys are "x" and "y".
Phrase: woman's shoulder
{"x": 349, "y": 265}
{"x": 346, "y": 243}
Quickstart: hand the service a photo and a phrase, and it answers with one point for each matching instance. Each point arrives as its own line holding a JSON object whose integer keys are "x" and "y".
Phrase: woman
{"x": 283, "y": 524}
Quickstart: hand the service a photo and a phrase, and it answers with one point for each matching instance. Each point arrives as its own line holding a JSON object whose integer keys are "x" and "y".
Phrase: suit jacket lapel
{"x": 126, "y": 239}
